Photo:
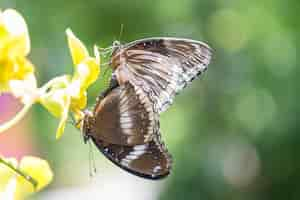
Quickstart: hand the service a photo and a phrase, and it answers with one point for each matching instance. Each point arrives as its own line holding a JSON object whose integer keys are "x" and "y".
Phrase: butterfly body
{"x": 147, "y": 74}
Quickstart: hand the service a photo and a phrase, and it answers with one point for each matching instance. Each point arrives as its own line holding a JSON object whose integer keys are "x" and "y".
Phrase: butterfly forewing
{"x": 160, "y": 66}
{"x": 125, "y": 116}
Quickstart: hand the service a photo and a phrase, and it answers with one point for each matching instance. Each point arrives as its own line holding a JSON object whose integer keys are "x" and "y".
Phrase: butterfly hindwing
{"x": 160, "y": 66}
{"x": 124, "y": 116}
{"x": 150, "y": 160}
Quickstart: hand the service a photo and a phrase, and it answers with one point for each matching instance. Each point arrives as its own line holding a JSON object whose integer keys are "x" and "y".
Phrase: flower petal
{"x": 16, "y": 69}
{"x": 39, "y": 170}
{"x": 61, "y": 127}
{"x": 25, "y": 89}
{"x": 55, "y": 102}
{"x": 93, "y": 71}
{"x": 17, "y": 29}
{"x": 79, "y": 103}
{"x": 9, "y": 192}
{"x": 77, "y": 49}
{"x": 86, "y": 73}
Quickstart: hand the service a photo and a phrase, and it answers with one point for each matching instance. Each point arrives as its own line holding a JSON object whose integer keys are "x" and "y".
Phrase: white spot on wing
{"x": 125, "y": 120}
{"x": 137, "y": 151}
{"x": 140, "y": 147}
{"x": 157, "y": 169}
{"x": 126, "y": 125}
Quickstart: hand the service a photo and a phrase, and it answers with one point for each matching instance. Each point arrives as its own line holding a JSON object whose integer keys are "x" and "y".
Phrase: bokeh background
{"x": 233, "y": 133}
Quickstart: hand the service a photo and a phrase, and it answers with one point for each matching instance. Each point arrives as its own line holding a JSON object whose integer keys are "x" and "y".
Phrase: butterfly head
{"x": 116, "y": 45}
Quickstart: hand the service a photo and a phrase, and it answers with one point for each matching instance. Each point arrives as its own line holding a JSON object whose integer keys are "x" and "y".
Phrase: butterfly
{"x": 147, "y": 74}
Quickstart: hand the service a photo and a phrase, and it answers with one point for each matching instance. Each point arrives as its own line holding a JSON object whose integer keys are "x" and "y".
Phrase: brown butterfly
{"x": 147, "y": 74}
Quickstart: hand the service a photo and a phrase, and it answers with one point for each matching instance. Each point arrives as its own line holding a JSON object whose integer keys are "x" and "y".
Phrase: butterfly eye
{"x": 116, "y": 44}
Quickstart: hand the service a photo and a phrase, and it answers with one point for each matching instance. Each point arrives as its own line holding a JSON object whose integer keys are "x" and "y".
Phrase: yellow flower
{"x": 60, "y": 95}
{"x": 69, "y": 93}
{"x": 16, "y": 71}
{"x": 14, "y": 47}
{"x": 13, "y": 186}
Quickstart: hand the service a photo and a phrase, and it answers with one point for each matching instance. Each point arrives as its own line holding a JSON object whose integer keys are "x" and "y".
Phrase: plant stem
{"x": 19, "y": 172}
{"x": 16, "y": 118}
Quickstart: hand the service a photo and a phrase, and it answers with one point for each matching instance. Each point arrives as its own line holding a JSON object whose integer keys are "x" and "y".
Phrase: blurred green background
{"x": 233, "y": 133}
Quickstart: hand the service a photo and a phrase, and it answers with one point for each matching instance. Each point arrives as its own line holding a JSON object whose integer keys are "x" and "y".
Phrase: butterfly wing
{"x": 124, "y": 116}
{"x": 161, "y": 66}
{"x": 150, "y": 160}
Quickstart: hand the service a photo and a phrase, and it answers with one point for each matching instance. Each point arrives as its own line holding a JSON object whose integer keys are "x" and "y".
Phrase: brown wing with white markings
{"x": 150, "y": 160}
{"x": 125, "y": 117}
{"x": 160, "y": 66}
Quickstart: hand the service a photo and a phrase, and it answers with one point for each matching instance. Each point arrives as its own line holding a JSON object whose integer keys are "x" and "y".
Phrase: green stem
{"x": 16, "y": 118}
{"x": 19, "y": 172}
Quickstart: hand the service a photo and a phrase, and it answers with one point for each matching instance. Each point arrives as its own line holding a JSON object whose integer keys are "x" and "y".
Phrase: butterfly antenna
{"x": 121, "y": 32}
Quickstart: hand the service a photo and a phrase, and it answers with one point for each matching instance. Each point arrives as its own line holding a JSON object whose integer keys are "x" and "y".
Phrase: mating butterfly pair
{"x": 147, "y": 74}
